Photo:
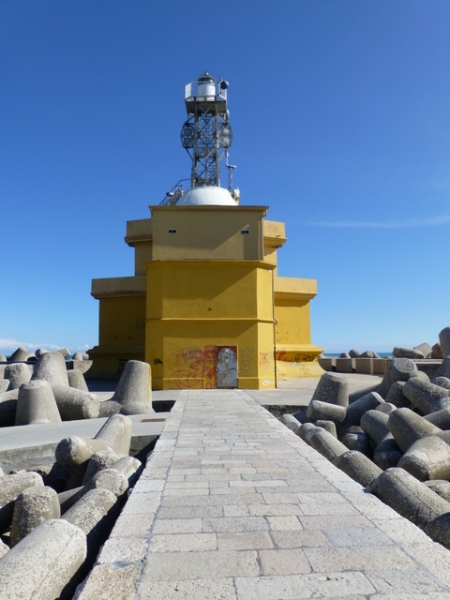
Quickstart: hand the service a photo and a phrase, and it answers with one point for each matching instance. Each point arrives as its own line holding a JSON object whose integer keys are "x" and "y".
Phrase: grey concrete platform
{"x": 32, "y": 445}
{"x": 233, "y": 506}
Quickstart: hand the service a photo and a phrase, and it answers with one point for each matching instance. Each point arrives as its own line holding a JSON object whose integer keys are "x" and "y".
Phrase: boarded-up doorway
{"x": 226, "y": 367}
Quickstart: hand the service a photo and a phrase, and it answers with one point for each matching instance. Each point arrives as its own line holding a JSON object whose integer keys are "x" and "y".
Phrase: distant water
{"x": 381, "y": 354}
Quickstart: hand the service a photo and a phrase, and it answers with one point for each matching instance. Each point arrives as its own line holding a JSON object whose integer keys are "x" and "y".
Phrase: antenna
{"x": 230, "y": 168}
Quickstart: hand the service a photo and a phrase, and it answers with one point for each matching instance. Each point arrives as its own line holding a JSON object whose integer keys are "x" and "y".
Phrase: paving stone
{"x": 235, "y": 524}
{"x": 178, "y": 526}
{"x": 401, "y": 582}
{"x": 190, "y": 512}
{"x": 334, "y": 521}
{"x": 296, "y": 587}
{"x": 123, "y": 550}
{"x": 284, "y": 562}
{"x": 434, "y": 557}
{"x": 109, "y": 581}
{"x": 237, "y": 511}
{"x": 356, "y": 536}
{"x": 200, "y": 589}
{"x": 133, "y": 525}
{"x": 194, "y": 565}
{"x": 284, "y": 523}
{"x": 248, "y": 540}
{"x": 274, "y": 510}
{"x": 357, "y": 559}
{"x": 139, "y": 504}
{"x": 183, "y": 542}
{"x": 299, "y": 539}
{"x": 402, "y": 531}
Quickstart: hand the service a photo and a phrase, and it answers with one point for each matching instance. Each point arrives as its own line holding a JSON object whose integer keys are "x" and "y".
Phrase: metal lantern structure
{"x": 207, "y": 134}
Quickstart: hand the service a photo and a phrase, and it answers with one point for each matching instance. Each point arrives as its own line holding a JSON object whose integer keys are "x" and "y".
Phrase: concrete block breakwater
{"x": 428, "y": 358}
{"x": 55, "y": 517}
{"x": 394, "y": 438}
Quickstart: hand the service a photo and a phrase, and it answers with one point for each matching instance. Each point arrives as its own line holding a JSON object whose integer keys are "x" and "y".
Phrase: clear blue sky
{"x": 340, "y": 112}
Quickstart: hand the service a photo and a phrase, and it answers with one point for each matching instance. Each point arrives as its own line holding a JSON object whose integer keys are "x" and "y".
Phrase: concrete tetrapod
{"x": 130, "y": 467}
{"x": 411, "y": 499}
{"x": 443, "y": 382}
{"x": 436, "y": 351}
{"x": 324, "y": 442}
{"x": 444, "y": 369}
{"x": 400, "y": 352}
{"x": 74, "y": 404}
{"x": 359, "y": 441}
{"x": 19, "y": 355}
{"x": 99, "y": 461}
{"x": 358, "y": 467}
{"x": 317, "y": 409}
{"x": 11, "y": 486}
{"x": 36, "y": 404}
{"x": 33, "y": 506}
{"x": 116, "y": 432}
{"x": 444, "y": 341}
{"x": 425, "y": 348}
{"x": 356, "y": 410}
{"x": 375, "y": 424}
{"x": 425, "y": 396}
{"x": 387, "y": 454}
{"x": 134, "y": 390}
{"x": 400, "y": 369}
{"x": 8, "y": 407}
{"x": 76, "y": 380}
{"x": 291, "y": 422}
{"x": 305, "y": 430}
{"x": 44, "y": 564}
{"x": 440, "y": 418}
{"x": 332, "y": 388}
{"x": 51, "y": 366}
{"x": 439, "y": 486}
{"x": 108, "y": 479}
{"x": 95, "y": 514}
{"x": 327, "y": 425}
{"x": 17, "y": 374}
{"x": 407, "y": 427}
{"x": 396, "y": 396}
{"x": 428, "y": 458}
{"x": 74, "y": 452}
{"x": 387, "y": 408}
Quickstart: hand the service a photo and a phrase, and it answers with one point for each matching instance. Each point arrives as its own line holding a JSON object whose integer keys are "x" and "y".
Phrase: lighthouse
{"x": 206, "y": 307}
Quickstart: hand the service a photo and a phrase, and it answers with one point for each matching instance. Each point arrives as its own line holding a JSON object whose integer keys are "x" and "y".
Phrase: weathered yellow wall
{"x": 139, "y": 236}
{"x": 207, "y": 233}
{"x": 194, "y": 306}
{"x": 293, "y": 322}
{"x": 122, "y": 321}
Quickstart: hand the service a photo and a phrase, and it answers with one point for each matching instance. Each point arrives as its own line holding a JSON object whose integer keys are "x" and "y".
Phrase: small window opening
{"x": 172, "y": 230}
{"x": 245, "y": 231}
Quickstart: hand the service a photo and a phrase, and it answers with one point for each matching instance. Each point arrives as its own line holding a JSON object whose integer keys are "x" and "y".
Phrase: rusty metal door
{"x": 226, "y": 367}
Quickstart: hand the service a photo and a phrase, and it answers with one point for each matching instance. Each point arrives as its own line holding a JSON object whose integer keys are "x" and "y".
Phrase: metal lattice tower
{"x": 206, "y": 134}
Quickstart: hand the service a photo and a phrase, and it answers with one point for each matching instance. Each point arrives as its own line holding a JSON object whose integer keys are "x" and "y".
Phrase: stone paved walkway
{"x": 232, "y": 505}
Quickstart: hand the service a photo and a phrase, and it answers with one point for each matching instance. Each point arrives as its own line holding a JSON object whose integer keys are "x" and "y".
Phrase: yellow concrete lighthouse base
{"x": 294, "y": 362}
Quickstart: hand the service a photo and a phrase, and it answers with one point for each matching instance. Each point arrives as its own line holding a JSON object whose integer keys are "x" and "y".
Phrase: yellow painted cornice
{"x": 113, "y": 287}
{"x": 291, "y": 288}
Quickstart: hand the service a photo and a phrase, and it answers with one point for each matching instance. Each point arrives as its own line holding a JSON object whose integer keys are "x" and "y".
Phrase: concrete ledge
{"x": 32, "y": 445}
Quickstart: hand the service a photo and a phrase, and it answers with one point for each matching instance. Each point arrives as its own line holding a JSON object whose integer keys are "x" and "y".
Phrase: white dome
{"x": 207, "y": 195}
